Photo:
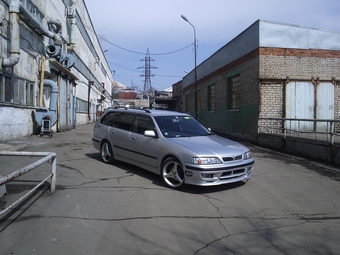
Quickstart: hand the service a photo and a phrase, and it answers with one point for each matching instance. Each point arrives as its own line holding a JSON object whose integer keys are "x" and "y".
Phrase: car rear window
{"x": 125, "y": 121}
{"x": 110, "y": 119}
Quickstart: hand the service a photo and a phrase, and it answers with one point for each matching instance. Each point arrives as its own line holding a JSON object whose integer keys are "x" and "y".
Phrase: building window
{"x": 29, "y": 93}
{"x": 5, "y": 89}
{"x": 82, "y": 106}
{"x": 21, "y": 92}
{"x": 211, "y": 98}
{"x": 18, "y": 89}
{"x": 234, "y": 92}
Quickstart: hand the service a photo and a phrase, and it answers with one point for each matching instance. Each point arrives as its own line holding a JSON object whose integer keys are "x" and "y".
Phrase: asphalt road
{"x": 289, "y": 206}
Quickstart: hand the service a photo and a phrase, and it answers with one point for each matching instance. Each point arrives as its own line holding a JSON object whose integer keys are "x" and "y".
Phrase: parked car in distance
{"x": 171, "y": 144}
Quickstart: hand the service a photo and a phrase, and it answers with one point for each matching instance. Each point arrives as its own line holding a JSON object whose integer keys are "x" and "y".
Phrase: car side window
{"x": 110, "y": 119}
{"x": 125, "y": 121}
{"x": 142, "y": 123}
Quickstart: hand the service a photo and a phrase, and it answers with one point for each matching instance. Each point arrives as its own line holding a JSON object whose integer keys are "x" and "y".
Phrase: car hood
{"x": 210, "y": 145}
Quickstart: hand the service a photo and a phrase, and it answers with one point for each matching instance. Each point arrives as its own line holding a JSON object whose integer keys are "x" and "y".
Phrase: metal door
{"x": 300, "y": 105}
{"x": 325, "y": 104}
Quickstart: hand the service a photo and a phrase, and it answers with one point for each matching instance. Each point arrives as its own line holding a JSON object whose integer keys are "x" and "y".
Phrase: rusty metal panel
{"x": 325, "y": 104}
{"x": 300, "y": 104}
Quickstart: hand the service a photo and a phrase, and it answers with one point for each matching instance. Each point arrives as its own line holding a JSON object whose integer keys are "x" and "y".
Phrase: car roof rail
{"x": 169, "y": 109}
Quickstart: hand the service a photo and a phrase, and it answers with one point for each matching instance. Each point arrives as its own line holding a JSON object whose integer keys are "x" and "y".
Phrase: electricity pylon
{"x": 147, "y": 73}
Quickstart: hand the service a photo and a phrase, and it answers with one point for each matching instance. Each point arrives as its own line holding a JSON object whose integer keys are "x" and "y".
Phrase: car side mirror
{"x": 150, "y": 133}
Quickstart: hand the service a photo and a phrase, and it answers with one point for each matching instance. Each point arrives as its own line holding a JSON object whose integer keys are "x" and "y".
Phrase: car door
{"x": 104, "y": 125}
{"x": 119, "y": 136}
{"x": 144, "y": 150}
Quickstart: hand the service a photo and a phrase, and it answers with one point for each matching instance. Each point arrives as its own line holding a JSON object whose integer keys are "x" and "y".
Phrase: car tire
{"x": 172, "y": 173}
{"x": 106, "y": 152}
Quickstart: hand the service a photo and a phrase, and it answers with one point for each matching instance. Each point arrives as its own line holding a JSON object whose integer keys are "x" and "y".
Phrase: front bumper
{"x": 217, "y": 176}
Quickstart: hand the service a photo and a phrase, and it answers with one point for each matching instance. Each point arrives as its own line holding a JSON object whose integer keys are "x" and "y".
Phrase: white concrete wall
{"x": 16, "y": 122}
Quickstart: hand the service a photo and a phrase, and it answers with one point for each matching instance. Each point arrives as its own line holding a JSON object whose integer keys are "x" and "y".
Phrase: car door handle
{"x": 133, "y": 138}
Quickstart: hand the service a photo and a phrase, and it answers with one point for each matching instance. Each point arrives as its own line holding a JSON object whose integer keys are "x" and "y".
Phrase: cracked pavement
{"x": 289, "y": 206}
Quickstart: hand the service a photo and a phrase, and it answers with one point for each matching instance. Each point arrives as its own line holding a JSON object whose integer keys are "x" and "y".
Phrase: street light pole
{"x": 195, "y": 70}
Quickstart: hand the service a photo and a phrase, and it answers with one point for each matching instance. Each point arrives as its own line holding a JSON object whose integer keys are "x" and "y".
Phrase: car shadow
{"x": 157, "y": 180}
{"x": 133, "y": 169}
{"x": 211, "y": 189}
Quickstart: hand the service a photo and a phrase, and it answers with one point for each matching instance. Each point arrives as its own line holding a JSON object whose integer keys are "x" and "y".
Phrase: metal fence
{"x": 47, "y": 156}
{"x": 323, "y": 130}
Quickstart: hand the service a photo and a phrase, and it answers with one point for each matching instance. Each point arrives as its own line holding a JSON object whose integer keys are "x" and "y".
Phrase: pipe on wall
{"x": 72, "y": 39}
{"x": 15, "y": 10}
{"x": 37, "y": 26}
{"x": 54, "y": 94}
{"x": 49, "y": 114}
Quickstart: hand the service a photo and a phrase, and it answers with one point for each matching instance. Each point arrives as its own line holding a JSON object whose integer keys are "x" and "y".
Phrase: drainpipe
{"x": 14, "y": 52}
{"x": 72, "y": 39}
{"x": 16, "y": 9}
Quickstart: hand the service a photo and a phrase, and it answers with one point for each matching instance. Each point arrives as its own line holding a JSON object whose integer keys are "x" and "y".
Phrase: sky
{"x": 127, "y": 29}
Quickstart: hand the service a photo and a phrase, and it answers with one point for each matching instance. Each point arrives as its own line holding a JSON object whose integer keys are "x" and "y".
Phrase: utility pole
{"x": 147, "y": 73}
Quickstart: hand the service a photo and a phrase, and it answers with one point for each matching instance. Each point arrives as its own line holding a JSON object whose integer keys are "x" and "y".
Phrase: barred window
{"x": 211, "y": 98}
{"x": 234, "y": 92}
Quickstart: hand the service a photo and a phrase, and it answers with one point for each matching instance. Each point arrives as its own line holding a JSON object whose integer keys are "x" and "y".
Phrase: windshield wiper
{"x": 206, "y": 134}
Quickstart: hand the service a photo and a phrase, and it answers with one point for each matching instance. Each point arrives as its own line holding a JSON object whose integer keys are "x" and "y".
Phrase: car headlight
{"x": 247, "y": 155}
{"x": 206, "y": 161}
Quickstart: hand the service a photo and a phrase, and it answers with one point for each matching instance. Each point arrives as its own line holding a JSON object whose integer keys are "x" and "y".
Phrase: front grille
{"x": 226, "y": 159}
{"x": 234, "y": 173}
{"x": 220, "y": 168}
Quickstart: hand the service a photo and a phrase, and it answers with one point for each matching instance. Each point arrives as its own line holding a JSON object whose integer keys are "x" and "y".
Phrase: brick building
{"x": 266, "y": 71}
{"x": 270, "y": 70}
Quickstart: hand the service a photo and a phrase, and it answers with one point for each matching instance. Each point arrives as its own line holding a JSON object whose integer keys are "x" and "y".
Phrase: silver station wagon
{"x": 171, "y": 144}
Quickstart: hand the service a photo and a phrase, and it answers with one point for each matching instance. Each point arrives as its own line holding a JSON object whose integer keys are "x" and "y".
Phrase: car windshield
{"x": 180, "y": 126}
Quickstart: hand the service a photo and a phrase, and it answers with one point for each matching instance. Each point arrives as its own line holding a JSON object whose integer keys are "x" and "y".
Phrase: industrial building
{"x": 272, "y": 79}
{"x": 54, "y": 74}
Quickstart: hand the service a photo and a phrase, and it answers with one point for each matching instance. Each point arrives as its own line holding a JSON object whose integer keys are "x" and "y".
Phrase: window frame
{"x": 17, "y": 91}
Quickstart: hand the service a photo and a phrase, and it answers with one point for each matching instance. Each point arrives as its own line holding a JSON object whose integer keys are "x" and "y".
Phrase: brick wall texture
{"x": 263, "y": 76}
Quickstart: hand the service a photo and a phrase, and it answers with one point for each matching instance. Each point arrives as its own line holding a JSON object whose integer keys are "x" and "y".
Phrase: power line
{"x": 124, "y": 67}
{"x": 136, "y": 52}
